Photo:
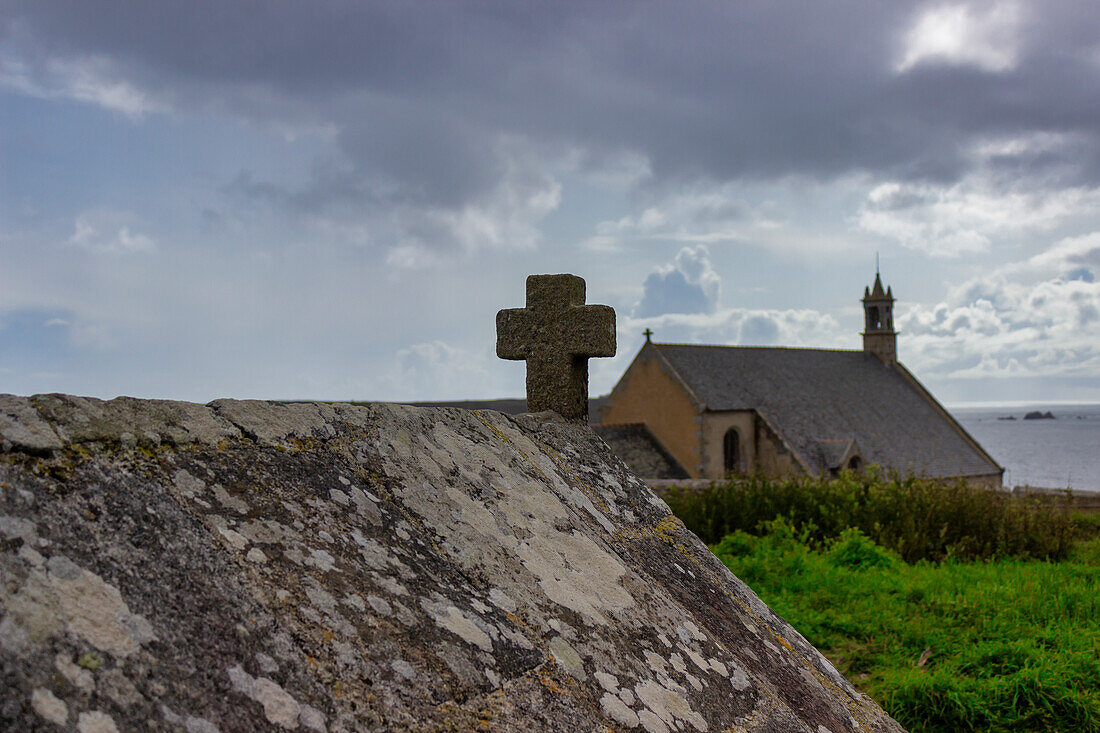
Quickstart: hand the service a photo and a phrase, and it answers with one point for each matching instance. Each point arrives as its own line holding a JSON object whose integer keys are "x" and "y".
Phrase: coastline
{"x": 1048, "y": 455}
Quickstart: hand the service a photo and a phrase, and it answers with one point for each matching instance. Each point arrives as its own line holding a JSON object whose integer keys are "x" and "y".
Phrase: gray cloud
{"x": 421, "y": 96}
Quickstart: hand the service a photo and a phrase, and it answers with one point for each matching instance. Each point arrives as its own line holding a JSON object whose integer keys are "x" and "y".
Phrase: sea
{"x": 1053, "y": 454}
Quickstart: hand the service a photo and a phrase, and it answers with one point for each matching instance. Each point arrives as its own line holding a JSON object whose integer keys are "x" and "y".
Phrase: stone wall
{"x": 326, "y": 567}
{"x": 715, "y": 425}
{"x": 774, "y": 457}
{"x": 648, "y": 393}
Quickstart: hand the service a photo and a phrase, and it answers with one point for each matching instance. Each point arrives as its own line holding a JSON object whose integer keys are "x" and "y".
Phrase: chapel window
{"x": 731, "y": 451}
{"x": 874, "y": 318}
{"x": 855, "y": 463}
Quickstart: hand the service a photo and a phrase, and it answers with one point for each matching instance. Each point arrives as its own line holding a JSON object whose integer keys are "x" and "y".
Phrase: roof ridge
{"x": 767, "y": 348}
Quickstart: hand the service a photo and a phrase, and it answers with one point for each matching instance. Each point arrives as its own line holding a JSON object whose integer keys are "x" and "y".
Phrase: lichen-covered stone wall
{"x": 327, "y": 567}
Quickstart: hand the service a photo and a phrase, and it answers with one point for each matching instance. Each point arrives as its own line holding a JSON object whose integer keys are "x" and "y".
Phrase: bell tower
{"x": 879, "y": 336}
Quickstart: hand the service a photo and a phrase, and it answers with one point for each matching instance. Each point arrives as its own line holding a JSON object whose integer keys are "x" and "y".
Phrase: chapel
{"x": 712, "y": 411}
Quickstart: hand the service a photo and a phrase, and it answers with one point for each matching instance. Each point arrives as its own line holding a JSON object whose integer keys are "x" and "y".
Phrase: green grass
{"x": 915, "y": 518}
{"x": 997, "y": 645}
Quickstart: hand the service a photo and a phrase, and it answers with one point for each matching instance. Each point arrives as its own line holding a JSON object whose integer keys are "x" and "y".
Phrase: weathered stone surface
{"x": 556, "y": 333}
{"x": 277, "y": 423}
{"x": 327, "y": 567}
{"x": 22, "y": 428}
{"x": 128, "y": 422}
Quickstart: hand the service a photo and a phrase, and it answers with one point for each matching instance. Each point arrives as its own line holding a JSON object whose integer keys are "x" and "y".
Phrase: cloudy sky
{"x": 332, "y": 199}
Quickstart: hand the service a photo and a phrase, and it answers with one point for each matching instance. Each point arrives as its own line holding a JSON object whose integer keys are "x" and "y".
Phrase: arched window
{"x": 731, "y": 451}
{"x": 874, "y": 320}
{"x": 855, "y": 463}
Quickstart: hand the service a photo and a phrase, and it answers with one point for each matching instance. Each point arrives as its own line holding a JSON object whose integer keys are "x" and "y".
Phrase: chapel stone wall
{"x": 773, "y": 457}
{"x": 649, "y": 394}
{"x": 715, "y": 426}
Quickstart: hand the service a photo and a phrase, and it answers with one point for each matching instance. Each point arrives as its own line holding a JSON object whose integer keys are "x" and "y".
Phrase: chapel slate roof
{"x": 817, "y": 397}
{"x": 641, "y": 451}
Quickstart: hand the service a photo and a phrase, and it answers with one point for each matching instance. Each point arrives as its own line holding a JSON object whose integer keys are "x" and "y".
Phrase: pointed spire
{"x": 878, "y": 291}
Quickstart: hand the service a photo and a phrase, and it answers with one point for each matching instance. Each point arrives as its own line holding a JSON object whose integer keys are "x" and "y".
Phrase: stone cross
{"x": 556, "y": 334}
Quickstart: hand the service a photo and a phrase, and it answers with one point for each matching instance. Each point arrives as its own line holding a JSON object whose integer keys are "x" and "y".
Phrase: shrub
{"x": 914, "y": 517}
{"x": 856, "y": 551}
{"x": 1087, "y": 551}
{"x": 738, "y": 544}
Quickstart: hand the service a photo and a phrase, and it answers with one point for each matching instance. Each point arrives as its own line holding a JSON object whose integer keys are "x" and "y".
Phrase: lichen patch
{"x": 618, "y": 711}
{"x": 234, "y": 539}
{"x": 95, "y": 610}
{"x": 49, "y": 707}
{"x": 96, "y": 721}
{"x": 567, "y": 658}
{"x": 576, "y": 573}
{"x": 452, "y": 619}
{"x": 76, "y": 675}
{"x": 380, "y": 605}
{"x": 608, "y": 682}
{"x": 668, "y": 705}
{"x": 502, "y": 600}
{"x": 279, "y": 706}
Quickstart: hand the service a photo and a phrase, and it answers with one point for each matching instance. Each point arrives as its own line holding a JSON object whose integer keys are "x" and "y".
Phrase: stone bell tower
{"x": 879, "y": 336}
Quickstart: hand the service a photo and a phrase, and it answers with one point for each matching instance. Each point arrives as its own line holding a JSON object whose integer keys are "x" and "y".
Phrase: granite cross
{"x": 556, "y": 334}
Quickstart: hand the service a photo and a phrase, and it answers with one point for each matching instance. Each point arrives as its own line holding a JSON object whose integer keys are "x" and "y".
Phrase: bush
{"x": 856, "y": 551}
{"x": 1087, "y": 551}
{"x": 916, "y": 518}
{"x": 738, "y": 544}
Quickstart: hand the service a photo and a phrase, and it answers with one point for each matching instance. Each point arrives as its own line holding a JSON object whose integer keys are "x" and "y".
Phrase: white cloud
{"x": 445, "y": 372}
{"x": 966, "y": 216}
{"x": 109, "y": 232}
{"x": 1073, "y": 258}
{"x": 507, "y": 218}
{"x": 725, "y": 326}
{"x": 89, "y": 79}
{"x": 341, "y": 206}
{"x": 796, "y": 216}
{"x": 745, "y": 327}
{"x": 982, "y": 35}
{"x": 687, "y": 285}
{"x": 705, "y": 215}
{"x": 772, "y": 165}
{"x": 1038, "y": 317}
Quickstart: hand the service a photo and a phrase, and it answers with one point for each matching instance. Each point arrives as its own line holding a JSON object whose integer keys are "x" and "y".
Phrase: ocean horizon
{"x": 1059, "y": 453}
